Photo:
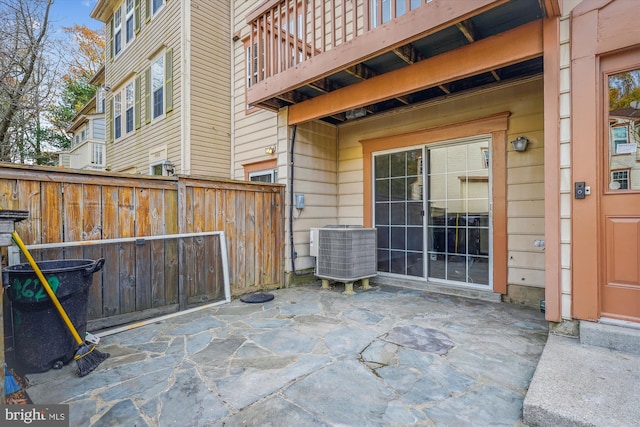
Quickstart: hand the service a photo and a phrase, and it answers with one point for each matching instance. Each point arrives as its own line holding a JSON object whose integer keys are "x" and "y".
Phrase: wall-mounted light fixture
{"x": 356, "y": 113}
{"x": 270, "y": 149}
{"x": 520, "y": 144}
{"x": 169, "y": 168}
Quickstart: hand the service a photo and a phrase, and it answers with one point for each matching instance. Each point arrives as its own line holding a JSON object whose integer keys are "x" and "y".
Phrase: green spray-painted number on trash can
{"x": 32, "y": 289}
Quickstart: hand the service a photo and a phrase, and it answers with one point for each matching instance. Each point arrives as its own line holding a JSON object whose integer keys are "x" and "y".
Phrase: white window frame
{"x": 271, "y": 173}
{"x": 117, "y": 115}
{"x": 129, "y": 104}
{"x": 100, "y": 99}
{"x": 121, "y": 17}
{"x": 485, "y": 157}
{"x": 129, "y": 16}
{"x": 124, "y": 104}
{"x": 163, "y": 166}
{"x": 387, "y": 10}
{"x": 618, "y": 139}
{"x": 616, "y": 177}
{"x": 252, "y": 63}
{"x": 158, "y": 75}
{"x": 118, "y": 40}
{"x": 97, "y": 154}
{"x": 156, "y": 6}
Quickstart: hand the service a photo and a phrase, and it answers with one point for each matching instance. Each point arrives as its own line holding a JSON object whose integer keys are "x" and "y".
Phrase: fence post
{"x": 182, "y": 228}
{"x": 8, "y": 218}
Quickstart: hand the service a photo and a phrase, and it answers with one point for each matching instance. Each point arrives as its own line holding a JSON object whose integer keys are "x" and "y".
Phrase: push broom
{"x": 87, "y": 357}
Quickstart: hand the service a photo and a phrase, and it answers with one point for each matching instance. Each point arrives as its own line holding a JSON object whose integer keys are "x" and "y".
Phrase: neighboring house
{"x": 87, "y": 131}
{"x": 401, "y": 115}
{"x": 169, "y": 79}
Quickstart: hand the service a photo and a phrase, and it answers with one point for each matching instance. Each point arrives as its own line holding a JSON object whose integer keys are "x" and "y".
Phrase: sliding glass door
{"x": 398, "y": 212}
{"x": 455, "y": 231}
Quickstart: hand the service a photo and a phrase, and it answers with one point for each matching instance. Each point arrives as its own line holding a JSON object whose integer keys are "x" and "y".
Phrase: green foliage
{"x": 50, "y": 138}
{"x": 76, "y": 93}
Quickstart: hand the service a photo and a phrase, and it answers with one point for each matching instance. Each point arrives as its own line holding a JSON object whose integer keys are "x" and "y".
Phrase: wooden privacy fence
{"x": 144, "y": 279}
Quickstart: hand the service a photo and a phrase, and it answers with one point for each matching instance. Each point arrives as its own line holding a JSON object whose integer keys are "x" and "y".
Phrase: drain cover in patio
{"x": 257, "y": 297}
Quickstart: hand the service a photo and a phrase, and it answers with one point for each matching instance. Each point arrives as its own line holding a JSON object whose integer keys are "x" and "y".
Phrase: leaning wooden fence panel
{"x": 67, "y": 205}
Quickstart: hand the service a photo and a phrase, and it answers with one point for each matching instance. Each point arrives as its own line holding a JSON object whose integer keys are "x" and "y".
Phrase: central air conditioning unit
{"x": 344, "y": 253}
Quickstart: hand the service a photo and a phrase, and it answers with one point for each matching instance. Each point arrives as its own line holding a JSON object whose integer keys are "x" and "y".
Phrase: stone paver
{"x": 313, "y": 357}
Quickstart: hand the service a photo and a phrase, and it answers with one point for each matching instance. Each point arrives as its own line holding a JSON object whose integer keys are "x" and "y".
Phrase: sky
{"x": 66, "y": 13}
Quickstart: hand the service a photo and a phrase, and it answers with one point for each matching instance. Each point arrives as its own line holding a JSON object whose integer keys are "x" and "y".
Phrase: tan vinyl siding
{"x": 525, "y": 171}
{"x": 210, "y": 89}
{"x": 162, "y": 32}
{"x": 256, "y": 130}
{"x": 316, "y": 177}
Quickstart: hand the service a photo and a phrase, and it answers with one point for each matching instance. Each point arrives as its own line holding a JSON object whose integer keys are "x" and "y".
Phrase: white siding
{"x": 97, "y": 129}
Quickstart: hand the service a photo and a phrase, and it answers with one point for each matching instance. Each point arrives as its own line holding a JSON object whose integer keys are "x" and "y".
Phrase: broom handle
{"x": 44, "y": 282}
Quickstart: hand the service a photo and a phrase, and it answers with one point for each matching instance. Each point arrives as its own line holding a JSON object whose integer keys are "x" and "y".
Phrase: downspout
{"x": 291, "y": 164}
{"x": 185, "y": 92}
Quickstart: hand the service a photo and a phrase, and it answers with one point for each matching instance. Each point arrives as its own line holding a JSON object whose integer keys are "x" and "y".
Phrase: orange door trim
{"x": 495, "y": 125}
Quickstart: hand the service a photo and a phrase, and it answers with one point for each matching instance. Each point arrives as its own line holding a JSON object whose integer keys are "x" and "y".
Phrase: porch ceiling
{"x": 492, "y": 22}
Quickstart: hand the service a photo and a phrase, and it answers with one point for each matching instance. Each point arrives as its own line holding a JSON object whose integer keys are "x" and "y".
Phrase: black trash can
{"x": 41, "y": 338}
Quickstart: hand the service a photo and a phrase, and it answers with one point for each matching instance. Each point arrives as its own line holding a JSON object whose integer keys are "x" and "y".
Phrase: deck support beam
{"x": 507, "y": 48}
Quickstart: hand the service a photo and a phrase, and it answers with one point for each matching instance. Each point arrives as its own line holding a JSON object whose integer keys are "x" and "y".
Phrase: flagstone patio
{"x": 313, "y": 357}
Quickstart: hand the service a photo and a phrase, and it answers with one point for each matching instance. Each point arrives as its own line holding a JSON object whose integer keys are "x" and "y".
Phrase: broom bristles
{"x": 10, "y": 383}
{"x": 88, "y": 358}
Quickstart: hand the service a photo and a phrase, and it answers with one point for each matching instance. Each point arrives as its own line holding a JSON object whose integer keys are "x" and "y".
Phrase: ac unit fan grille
{"x": 346, "y": 254}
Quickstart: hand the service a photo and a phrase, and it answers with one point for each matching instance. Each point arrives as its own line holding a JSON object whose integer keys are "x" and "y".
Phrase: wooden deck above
{"x": 292, "y": 63}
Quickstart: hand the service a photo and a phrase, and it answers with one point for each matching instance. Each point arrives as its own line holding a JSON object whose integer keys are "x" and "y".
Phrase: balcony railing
{"x": 285, "y": 33}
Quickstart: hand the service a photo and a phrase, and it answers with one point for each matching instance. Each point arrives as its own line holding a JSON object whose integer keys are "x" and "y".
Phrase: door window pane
{"x": 398, "y": 240}
{"x": 398, "y": 215}
{"x": 382, "y": 213}
{"x": 398, "y": 212}
{"x": 399, "y": 189}
{"x": 457, "y": 233}
{"x": 382, "y": 190}
{"x": 624, "y": 131}
{"x": 458, "y": 215}
{"x": 383, "y": 261}
{"x": 382, "y": 166}
{"x": 414, "y": 213}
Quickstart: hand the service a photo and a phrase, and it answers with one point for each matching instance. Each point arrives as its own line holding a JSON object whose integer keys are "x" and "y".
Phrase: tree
{"x": 87, "y": 50}
{"x": 83, "y": 60}
{"x": 623, "y": 89}
{"x": 75, "y": 94}
{"x": 23, "y": 68}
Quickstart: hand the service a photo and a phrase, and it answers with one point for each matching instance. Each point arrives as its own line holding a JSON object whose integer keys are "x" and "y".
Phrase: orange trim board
{"x": 495, "y": 125}
{"x": 258, "y": 166}
{"x": 552, "y": 214}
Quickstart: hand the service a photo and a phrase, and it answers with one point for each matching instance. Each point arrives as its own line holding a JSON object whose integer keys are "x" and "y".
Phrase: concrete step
{"x": 583, "y": 385}
{"x": 612, "y": 334}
